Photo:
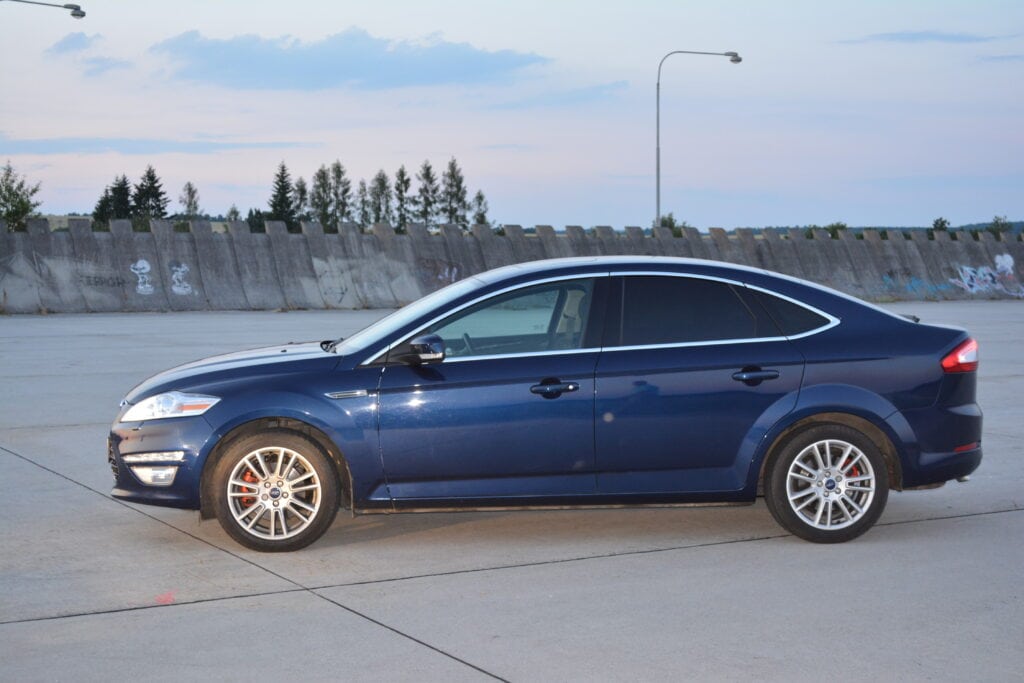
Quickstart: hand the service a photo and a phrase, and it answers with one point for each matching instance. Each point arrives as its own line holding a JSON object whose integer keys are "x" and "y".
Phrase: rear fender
{"x": 843, "y": 404}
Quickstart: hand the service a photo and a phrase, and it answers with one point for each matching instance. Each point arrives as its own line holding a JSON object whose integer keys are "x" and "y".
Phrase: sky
{"x": 873, "y": 113}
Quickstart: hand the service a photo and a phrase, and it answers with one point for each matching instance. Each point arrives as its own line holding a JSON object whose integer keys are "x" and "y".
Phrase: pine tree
{"x": 341, "y": 195}
{"x": 233, "y": 214}
{"x": 380, "y": 198}
{"x": 453, "y": 195}
{"x": 427, "y": 195}
{"x": 104, "y": 210}
{"x": 16, "y": 203}
{"x": 282, "y": 199}
{"x": 301, "y": 200}
{"x": 256, "y": 220}
{"x": 480, "y": 208}
{"x": 121, "y": 198}
{"x": 320, "y": 198}
{"x": 363, "y": 214}
{"x": 149, "y": 199}
{"x": 189, "y": 200}
{"x": 403, "y": 200}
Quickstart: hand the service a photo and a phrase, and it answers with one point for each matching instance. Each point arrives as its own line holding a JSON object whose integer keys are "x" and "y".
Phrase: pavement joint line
{"x": 299, "y": 586}
{"x": 646, "y": 551}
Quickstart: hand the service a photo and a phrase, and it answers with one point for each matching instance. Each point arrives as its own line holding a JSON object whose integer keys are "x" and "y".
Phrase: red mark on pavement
{"x": 165, "y": 598}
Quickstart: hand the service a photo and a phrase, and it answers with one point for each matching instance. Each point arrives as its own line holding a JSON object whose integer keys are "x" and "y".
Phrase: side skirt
{"x": 516, "y": 508}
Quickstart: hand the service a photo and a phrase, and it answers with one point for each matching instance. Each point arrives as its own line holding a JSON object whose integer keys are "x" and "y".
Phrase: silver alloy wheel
{"x": 274, "y": 493}
{"x": 830, "y": 484}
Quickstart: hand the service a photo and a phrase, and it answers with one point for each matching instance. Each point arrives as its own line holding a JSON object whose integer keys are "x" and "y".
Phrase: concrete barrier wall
{"x": 165, "y": 269}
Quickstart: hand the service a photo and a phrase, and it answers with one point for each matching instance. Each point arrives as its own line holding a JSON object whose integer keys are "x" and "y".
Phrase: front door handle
{"x": 754, "y": 376}
{"x": 553, "y": 388}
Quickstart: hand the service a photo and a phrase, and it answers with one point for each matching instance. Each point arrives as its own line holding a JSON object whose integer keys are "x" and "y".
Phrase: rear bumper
{"x": 948, "y": 444}
{"x": 940, "y": 467}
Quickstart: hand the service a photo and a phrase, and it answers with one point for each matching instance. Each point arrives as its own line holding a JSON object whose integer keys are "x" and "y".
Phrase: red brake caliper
{"x": 249, "y": 501}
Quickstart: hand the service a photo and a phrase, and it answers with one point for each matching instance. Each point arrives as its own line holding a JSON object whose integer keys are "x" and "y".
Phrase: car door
{"x": 693, "y": 370}
{"x": 509, "y": 413}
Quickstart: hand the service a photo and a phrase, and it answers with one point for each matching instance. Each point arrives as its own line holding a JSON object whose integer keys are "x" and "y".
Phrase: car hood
{"x": 266, "y": 360}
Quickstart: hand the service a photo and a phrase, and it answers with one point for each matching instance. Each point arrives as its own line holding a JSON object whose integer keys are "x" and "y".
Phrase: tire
{"x": 828, "y": 484}
{"x": 275, "y": 491}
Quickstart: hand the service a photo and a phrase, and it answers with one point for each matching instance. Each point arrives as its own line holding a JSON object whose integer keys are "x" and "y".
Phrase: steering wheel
{"x": 468, "y": 343}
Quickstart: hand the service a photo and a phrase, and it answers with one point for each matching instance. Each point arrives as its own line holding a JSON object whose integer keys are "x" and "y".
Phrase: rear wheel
{"x": 828, "y": 484}
{"x": 275, "y": 491}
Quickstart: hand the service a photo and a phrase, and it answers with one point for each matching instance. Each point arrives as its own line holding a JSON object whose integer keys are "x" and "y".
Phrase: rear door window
{"x": 659, "y": 309}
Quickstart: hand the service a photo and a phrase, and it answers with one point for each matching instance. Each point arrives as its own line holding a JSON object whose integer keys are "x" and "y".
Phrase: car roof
{"x": 610, "y": 262}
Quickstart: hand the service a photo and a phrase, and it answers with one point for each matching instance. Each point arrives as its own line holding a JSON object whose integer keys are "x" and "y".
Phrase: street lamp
{"x": 76, "y": 10}
{"x": 734, "y": 58}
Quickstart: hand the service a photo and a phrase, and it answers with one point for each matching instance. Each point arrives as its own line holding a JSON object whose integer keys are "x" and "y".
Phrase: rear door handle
{"x": 754, "y": 376}
{"x": 553, "y": 389}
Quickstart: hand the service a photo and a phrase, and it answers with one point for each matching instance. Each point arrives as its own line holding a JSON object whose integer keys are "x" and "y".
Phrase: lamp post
{"x": 734, "y": 58}
{"x": 76, "y": 10}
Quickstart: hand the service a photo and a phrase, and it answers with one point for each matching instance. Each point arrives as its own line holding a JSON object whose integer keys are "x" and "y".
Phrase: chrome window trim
{"x": 832, "y": 320}
{"x": 376, "y": 357}
{"x": 528, "y": 354}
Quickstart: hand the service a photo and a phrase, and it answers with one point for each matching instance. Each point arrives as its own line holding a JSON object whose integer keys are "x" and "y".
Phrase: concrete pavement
{"x": 92, "y": 588}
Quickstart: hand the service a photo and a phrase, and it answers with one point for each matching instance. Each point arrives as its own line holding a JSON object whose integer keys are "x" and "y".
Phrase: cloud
{"x": 131, "y": 146}
{"x": 1003, "y": 58}
{"x": 566, "y": 98}
{"x": 508, "y": 146}
{"x": 353, "y": 58}
{"x": 73, "y": 42}
{"x": 95, "y": 66}
{"x": 913, "y": 37}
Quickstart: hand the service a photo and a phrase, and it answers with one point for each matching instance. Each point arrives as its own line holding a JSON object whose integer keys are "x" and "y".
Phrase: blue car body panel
{"x": 640, "y": 425}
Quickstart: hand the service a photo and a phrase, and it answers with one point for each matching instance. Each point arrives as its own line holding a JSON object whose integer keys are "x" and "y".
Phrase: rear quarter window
{"x": 792, "y": 319}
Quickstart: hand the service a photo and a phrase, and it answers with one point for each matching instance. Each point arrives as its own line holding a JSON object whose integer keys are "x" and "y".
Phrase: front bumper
{"x": 191, "y": 436}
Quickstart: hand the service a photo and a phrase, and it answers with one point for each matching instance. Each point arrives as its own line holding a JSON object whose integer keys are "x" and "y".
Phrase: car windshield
{"x": 405, "y": 315}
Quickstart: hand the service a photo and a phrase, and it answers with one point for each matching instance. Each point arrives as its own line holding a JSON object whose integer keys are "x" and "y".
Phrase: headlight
{"x": 171, "y": 404}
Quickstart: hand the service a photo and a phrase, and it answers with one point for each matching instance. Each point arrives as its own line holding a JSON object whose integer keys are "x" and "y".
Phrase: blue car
{"x": 570, "y": 382}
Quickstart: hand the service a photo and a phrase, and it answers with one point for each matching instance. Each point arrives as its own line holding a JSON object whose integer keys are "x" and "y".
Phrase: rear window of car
{"x": 791, "y": 318}
{"x": 677, "y": 310}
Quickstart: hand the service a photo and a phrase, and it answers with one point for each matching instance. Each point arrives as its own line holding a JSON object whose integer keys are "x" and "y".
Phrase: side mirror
{"x": 425, "y": 350}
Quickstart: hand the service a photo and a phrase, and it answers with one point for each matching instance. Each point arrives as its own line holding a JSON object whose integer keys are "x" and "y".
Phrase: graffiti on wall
{"x": 988, "y": 280}
{"x": 141, "y": 269}
{"x": 178, "y": 284}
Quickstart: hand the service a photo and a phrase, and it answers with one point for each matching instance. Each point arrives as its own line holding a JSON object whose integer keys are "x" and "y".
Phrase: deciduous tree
{"x": 189, "y": 200}
{"x": 301, "y": 200}
{"x": 16, "y": 198}
{"x": 480, "y": 208}
{"x": 320, "y": 198}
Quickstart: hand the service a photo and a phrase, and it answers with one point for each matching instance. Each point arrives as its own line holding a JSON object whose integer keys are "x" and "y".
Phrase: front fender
{"x": 351, "y": 424}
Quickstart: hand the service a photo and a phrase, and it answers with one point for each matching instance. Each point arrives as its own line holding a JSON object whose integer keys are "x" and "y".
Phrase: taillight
{"x": 963, "y": 358}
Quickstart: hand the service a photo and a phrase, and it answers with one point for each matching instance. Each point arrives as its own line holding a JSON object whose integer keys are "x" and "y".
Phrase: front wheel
{"x": 275, "y": 491}
{"x": 828, "y": 484}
